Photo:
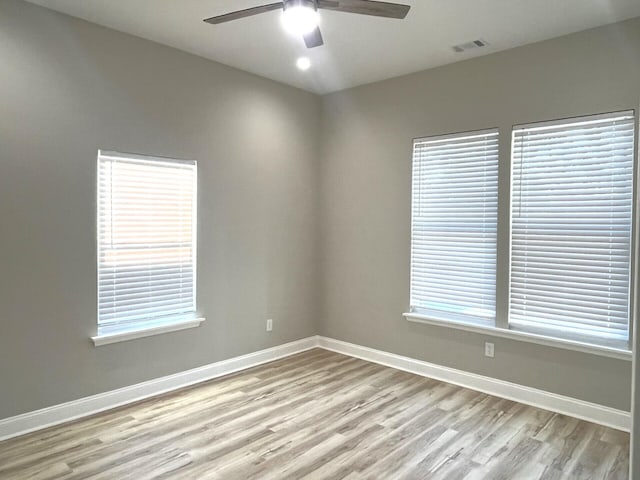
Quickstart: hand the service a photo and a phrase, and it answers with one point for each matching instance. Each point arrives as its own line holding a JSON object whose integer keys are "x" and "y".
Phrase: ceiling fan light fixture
{"x": 300, "y": 17}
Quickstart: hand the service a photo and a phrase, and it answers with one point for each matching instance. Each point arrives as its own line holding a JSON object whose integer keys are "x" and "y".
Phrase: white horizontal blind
{"x": 453, "y": 227}
{"x": 571, "y": 216}
{"x": 146, "y": 239}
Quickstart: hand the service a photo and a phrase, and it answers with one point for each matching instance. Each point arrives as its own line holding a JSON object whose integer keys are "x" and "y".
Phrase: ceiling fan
{"x": 301, "y": 16}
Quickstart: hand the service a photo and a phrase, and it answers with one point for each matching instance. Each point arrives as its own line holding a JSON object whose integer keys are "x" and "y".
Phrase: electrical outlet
{"x": 269, "y": 324}
{"x": 489, "y": 350}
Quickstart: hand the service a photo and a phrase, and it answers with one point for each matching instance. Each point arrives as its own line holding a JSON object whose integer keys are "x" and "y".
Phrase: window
{"x": 146, "y": 241}
{"x": 453, "y": 227}
{"x": 571, "y": 223}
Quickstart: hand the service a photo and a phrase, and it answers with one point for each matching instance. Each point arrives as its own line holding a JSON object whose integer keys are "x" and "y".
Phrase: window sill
{"x": 145, "y": 331}
{"x": 610, "y": 352}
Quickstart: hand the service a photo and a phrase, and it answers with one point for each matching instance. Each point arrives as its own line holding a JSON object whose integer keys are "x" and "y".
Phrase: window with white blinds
{"x": 571, "y": 224}
{"x": 146, "y": 241}
{"x": 453, "y": 227}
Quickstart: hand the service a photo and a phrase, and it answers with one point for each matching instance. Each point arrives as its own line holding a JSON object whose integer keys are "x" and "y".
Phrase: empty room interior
{"x": 319, "y": 239}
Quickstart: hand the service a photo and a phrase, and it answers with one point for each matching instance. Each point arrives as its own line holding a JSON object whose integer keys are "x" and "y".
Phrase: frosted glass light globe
{"x": 300, "y": 19}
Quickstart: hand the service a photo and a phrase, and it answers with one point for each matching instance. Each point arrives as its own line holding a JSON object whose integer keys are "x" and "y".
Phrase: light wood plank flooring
{"x": 320, "y": 415}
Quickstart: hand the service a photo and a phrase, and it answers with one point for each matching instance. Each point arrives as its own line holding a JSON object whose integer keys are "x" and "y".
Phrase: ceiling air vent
{"x": 474, "y": 44}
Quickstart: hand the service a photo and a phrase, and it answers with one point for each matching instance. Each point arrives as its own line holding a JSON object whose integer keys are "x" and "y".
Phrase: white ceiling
{"x": 358, "y": 49}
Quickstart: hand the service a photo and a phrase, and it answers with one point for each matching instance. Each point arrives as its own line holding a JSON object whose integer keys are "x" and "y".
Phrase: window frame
{"x": 567, "y": 122}
{"x": 156, "y": 324}
{"x": 487, "y": 133}
{"x": 501, "y": 328}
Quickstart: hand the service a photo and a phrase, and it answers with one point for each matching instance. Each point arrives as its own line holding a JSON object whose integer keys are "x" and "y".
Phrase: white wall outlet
{"x": 269, "y": 324}
{"x": 489, "y": 350}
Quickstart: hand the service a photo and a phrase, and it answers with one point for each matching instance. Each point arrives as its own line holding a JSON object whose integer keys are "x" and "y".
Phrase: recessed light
{"x": 303, "y": 63}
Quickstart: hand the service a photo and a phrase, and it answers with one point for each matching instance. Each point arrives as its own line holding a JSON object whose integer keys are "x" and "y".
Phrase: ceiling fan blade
{"x": 313, "y": 39}
{"x": 227, "y": 17}
{"x": 366, "y": 7}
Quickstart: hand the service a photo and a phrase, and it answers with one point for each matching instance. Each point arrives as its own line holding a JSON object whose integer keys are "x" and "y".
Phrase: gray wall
{"x": 67, "y": 88}
{"x": 366, "y": 196}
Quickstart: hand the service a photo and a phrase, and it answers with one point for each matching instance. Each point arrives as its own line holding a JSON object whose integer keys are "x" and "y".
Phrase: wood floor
{"x": 320, "y": 415}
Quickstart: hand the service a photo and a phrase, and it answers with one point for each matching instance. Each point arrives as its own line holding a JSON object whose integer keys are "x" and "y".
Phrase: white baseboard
{"x": 65, "y": 412}
{"x": 610, "y": 417}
